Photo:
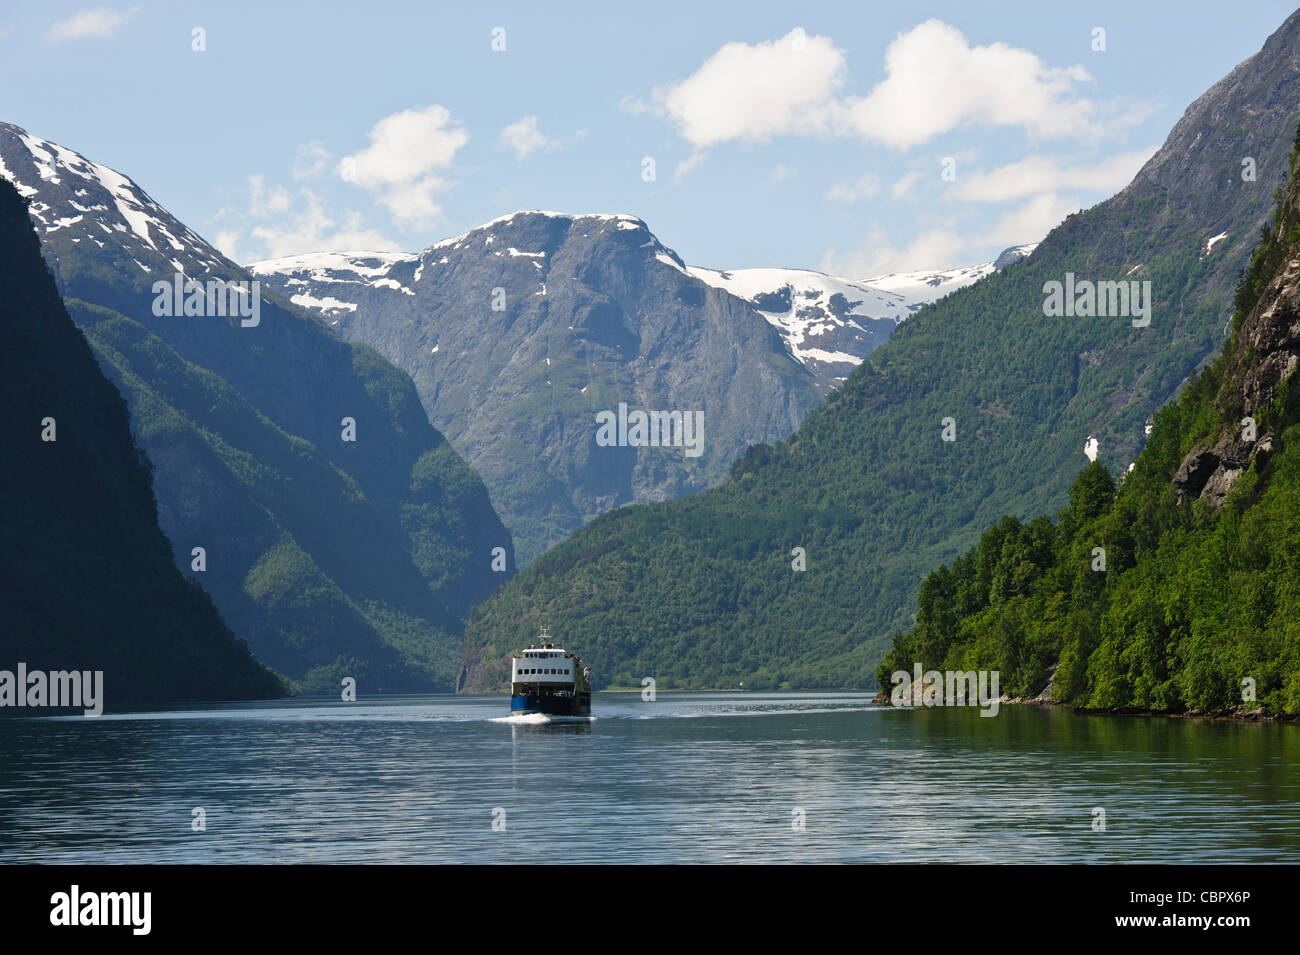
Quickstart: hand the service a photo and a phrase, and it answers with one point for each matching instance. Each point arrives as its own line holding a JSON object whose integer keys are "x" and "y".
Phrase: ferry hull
{"x": 551, "y": 705}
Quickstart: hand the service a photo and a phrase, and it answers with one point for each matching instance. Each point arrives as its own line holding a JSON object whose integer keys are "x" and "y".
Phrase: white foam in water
{"x": 538, "y": 719}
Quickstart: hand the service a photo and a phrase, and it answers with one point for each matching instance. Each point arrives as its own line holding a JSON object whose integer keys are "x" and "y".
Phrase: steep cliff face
{"x": 336, "y": 549}
{"x": 87, "y": 580}
{"x": 519, "y": 333}
{"x": 1256, "y": 391}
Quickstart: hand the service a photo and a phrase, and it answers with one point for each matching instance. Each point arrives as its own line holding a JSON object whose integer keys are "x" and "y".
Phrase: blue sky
{"x": 809, "y": 135}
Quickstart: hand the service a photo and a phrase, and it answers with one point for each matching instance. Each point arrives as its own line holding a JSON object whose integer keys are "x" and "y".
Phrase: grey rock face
{"x": 519, "y": 333}
{"x": 591, "y": 313}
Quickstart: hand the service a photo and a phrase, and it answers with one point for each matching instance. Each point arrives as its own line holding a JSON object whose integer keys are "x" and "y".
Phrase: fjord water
{"x": 690, "y": 777}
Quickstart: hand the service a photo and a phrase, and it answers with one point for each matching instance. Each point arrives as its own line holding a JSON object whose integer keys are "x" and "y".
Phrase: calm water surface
{"x": 690, "y": 777}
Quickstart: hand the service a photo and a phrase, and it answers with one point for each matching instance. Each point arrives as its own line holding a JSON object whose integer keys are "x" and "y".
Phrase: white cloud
{"x": 312, "y": 159}
{"x": 227, "y": 242}
{"x": 687, "y": 164}
{"x": 314, "y": 229}
{"x": 903, "y": 187}
{"x": 277, "y": 223}
{"x": 1037, "y": 174}
{"x": 400, "y": 163}
{"x": 1030, "y": 222}
{"x": 936, "y": 248}
{"x": 866, "y": 186}
{"x": 779, "y": 174}
{"x": 944, "y": 245}
{"x": 935, "y": 81}
{"x": 524, "y": 137}
{"x": 100, "y": 22}
{"x": 635, "y": 106}
{"x": 753, "y": 93}
{"x": 265, "y": 201}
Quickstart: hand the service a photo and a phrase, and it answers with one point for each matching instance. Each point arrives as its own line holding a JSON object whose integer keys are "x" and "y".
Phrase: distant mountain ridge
{"x": 828, "y": 336}
{"x": 831, "y": 324}
{"x": 593, "y": 311}
{"x": 333, "y": 557}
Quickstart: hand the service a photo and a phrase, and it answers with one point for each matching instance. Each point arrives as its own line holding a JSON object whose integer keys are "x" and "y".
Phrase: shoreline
{"x": 1257, "y": 715}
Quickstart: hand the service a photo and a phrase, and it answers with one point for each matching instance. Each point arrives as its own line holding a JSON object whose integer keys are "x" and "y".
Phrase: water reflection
{"x": 690, "y": 777}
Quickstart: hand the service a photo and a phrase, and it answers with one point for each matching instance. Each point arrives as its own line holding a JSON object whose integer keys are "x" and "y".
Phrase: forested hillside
{"x": 1181, "y": 590}
{"x": 89, "y": 582}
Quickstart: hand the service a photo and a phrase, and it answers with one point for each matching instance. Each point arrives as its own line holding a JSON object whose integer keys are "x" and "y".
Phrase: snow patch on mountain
{"x": 70, "y": 192}
{"x": 826, "y": 320}
{"x": 827, "y": 323}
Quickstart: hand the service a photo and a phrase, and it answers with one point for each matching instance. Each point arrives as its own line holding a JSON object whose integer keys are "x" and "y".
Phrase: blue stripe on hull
{"x": 551, "y": 705}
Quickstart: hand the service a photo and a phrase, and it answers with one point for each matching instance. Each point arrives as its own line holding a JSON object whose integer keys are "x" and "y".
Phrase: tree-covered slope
{"x": 1181, "y": 590}
{"x": 292, "y": 545}
{"x": 333, "y": 557}
{"x": 702, "y": 592}
{"x": 87, "y": 580}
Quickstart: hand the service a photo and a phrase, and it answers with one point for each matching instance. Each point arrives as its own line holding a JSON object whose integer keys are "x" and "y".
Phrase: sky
{"x": 852, "y": 138}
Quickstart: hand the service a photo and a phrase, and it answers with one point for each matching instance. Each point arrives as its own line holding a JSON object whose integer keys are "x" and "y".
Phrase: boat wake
{"x": 538, "y": 719}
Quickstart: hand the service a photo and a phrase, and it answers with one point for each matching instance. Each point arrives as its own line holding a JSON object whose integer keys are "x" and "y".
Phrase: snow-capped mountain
{"x": 81, "y": 201}
{"x": 519, "y": 332}
{"x": 595, "y": 310}
{"x": 828, "y": 324}
{"x": 242, "y": 424}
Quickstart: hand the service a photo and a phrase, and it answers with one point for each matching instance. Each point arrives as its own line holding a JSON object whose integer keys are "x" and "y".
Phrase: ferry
{"x": 546, "y": 679}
